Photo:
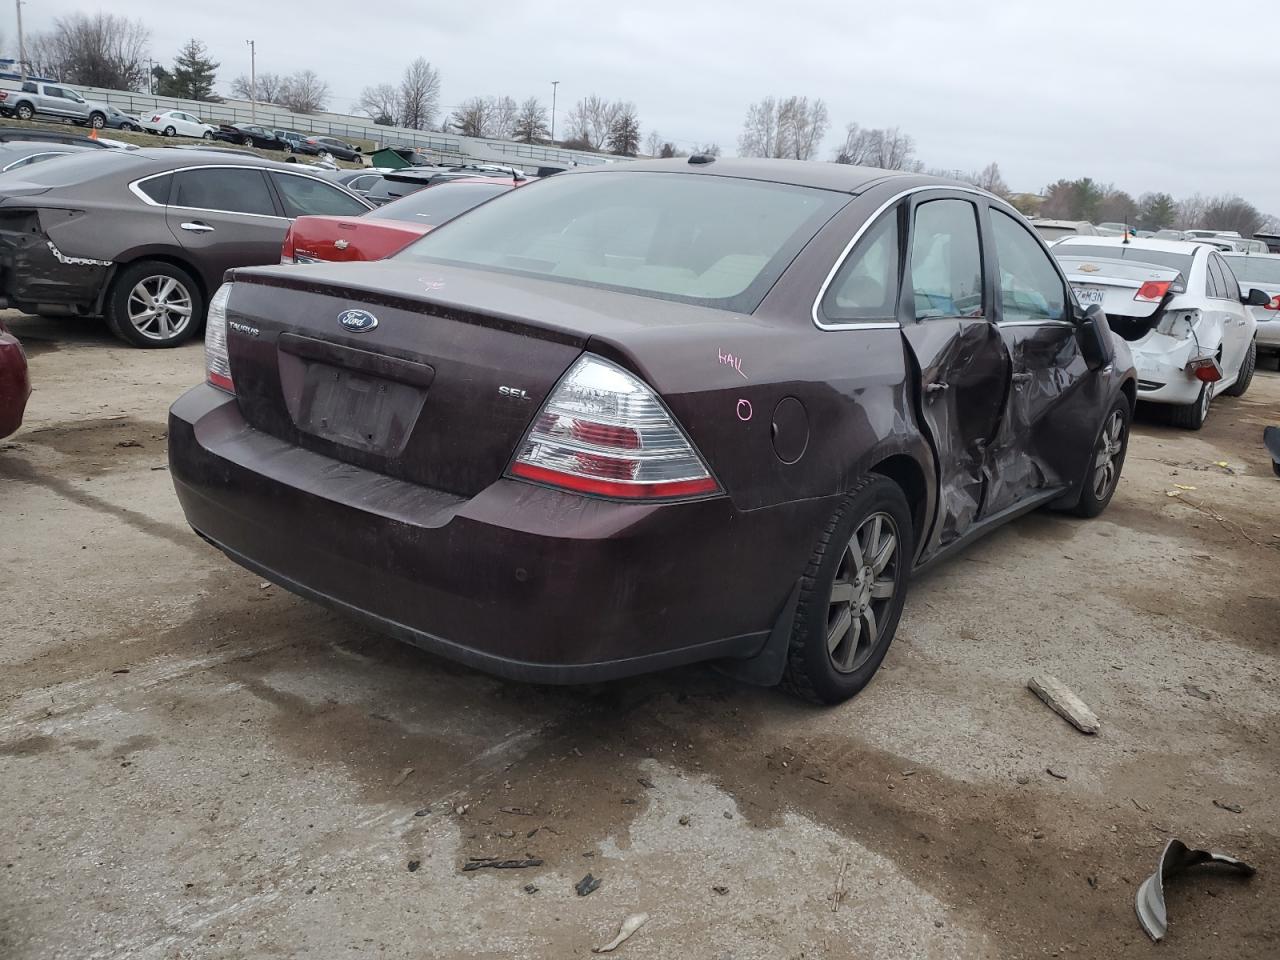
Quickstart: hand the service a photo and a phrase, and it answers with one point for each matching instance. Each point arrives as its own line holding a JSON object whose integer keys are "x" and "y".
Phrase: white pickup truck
{"x": 39, "y": 99}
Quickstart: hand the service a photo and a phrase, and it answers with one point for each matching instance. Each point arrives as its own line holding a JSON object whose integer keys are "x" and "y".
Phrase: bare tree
{"x": 97, "y": 50}
{"x": 792, "y": 127}
{"x": 591, "y": 119}
{"x": 895, "y": 150}
{"x": 473, "y": 117}
{"x": 381, "y": 102}
{"x": 861, "y": 146}
{"x": 531, "y": 124}
{"x": 503, "y": 116}
{"x": 991, "y": 181}
{"x": 419, "y": 95}
{"x": 1191, "y": 212}
{"x": 706, "y": 150}
{"x": 270, "y": 88}
{"x": 304, "y": 92}
{"x": 624, "y": 133}
{"x": 1233, "y": 213}
{"x": 653, "y": 143}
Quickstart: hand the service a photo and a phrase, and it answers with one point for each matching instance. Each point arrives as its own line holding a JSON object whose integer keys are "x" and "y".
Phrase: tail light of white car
{"x": 604, "y": 432}
{"x": 1205, "y": 368}
{"x": 1273, "y": 305}
{"x": 1153, "y": 291}
{"x": 216, "y": 362}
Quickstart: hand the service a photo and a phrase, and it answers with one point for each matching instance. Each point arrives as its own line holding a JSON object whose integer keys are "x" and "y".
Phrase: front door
{"x": 961, "y": 359}
{"x": 1049, "y": 427}
{"x": 225, "y": 217}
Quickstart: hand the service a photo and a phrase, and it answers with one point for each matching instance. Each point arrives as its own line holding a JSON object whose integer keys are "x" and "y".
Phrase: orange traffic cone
{"x": 93, "y": 133}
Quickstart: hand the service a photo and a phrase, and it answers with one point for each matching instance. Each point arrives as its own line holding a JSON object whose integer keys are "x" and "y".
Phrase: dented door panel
{"x": 1038, "y": 444}
{"x": 964, "y": 372}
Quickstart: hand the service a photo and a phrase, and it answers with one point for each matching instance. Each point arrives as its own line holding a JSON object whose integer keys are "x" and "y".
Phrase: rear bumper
{"x": 34, "y": 273}
{"x": 520, "y": 581}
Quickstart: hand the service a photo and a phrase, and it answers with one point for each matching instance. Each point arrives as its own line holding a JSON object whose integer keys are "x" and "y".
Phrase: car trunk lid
{"x": 1114, "y": 284}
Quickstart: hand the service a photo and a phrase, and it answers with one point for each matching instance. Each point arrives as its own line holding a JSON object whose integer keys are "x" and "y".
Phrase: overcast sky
{"x": 1169, "y": 95}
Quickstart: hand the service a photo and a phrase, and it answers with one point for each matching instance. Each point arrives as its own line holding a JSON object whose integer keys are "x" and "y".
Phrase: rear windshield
{"x": 1255, "y": 269}
{"x": 386, "y": 189}
{"x": 72, "y": 169}
{"x": 714, "y": 241}
{"x": 1131, "y": 253}
{"x": 442, "y": 202}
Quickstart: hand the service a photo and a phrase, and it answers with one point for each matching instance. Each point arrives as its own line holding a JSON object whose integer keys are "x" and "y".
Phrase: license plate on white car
{"x": 1087, "y": 295}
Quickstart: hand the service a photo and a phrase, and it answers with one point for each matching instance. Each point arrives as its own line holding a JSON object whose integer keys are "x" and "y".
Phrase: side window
{"x": 946, "y": 260}
{"x": 1030, "y": 288}
{"x": 234, "y": 190}
{"x": 157, "y": 188}
{"x": 1216, "y": 286}
{"x": 29, "y": 87}
{"x": 866, "y": 288}
{"x": 1230, "y": 286}
{"x": 303, "y": 196}
{"x": 54, "y": 92}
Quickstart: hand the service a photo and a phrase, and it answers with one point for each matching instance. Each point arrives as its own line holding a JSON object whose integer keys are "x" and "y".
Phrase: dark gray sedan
{"x": 142, "y": 238}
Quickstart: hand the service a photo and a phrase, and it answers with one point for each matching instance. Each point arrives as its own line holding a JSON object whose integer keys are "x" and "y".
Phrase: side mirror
{"x": 1094, "y": 334}
{"x": 1255, "y": 298}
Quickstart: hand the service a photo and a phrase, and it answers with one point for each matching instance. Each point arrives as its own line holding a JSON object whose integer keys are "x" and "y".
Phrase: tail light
{"x": 156, "y": 118}
{"x": 1273, "y": 305}
{"x": 216, "y": 362}
{"x": 4, "y": 95}
{"x": 1206, "y": 369}
{"x": 287, "y": 249}
{"x": 1153, "y": 291}
{"x": 604, "y": 432}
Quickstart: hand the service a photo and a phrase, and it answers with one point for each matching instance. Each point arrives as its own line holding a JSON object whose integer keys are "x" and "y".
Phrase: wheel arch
{"x": 907, "y": 472}
{"x": 162, "y": 256}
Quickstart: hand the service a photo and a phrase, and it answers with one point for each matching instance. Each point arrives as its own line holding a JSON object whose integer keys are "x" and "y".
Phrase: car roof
{"x": 843, "y": 177}
{"x": 1188, "y": 247}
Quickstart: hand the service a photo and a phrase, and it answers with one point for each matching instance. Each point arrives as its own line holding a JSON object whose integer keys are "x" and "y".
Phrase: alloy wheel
{"x": 159, "y": 307}
{"x": 1106, "y": 462}
{"x": 862, "y": 593}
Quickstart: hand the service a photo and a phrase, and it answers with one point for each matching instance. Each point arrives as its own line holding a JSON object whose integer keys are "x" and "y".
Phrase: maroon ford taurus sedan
{"x": 645, "y": 415}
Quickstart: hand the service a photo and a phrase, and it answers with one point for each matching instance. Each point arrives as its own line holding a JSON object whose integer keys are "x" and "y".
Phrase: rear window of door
{"x": 866, "y": 288}
{"x": 1230, "y": 288}
{"x": 946, "y": 260}
{"x": 230, "y": 189}
{"x": 307, "y": 196}
{"x": 1030, "y": 288}
{"x": 1216, "y": 285}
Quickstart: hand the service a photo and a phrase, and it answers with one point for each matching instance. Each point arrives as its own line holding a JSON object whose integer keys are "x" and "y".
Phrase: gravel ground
{"x": 193, "y": 765}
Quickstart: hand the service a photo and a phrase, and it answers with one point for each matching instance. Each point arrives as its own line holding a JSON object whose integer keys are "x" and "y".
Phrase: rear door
{"x": 1047, "y": 431}
{"x": 225, "y": 217}
{"x": 948, "y": 323}
{"x": 1238, "y": 324}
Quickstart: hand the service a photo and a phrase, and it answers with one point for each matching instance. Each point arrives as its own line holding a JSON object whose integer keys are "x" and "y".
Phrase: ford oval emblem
{"x": 358, "y": 321}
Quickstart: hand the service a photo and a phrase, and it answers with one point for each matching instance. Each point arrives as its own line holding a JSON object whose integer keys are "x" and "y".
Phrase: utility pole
{"x": 554, "y": 84}
{"x": 22, "y": 46}
{"x": 253, "y": 81}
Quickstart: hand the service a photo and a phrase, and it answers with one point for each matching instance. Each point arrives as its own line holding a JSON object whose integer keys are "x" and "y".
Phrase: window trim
{"x": 815, "y": 310}
{"x": 1214, "y": 281}
{"x": 1228, "y": 277}
{"x": 136, "y": 189}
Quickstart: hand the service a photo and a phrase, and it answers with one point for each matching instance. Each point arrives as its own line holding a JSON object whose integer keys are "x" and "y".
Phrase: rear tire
{"x": 1245, "y": 376}
{"x": 97, "y": 121}
{"x": 1191, "y": 416}
{"x": 24, "y": 111}
{"x": 851, "y": 594}
{"x": 246, "y": 141}
{"x": 1106, "y": 460}
{"x": 144, "y": 284}
{"x": 169, "y": 132}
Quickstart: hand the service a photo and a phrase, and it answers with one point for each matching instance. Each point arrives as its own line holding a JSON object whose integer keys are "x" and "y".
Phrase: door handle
{"x": 1021, "y": 378}
{"x": 195, "y": 226}
{"x": 936, "y": 389}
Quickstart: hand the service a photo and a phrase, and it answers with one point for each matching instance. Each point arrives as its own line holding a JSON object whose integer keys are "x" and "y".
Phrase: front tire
{"x": 852, "y": 594}
{"x": 97, "y": 121}
{"x": 154, "y": 305}
{"x": 1191, "y": 416}
{"x": 207, "y": 135}
{"x": 1245, "y": 376}
{"x": 246, "y": 141}
{"x": 1106, "y": 460}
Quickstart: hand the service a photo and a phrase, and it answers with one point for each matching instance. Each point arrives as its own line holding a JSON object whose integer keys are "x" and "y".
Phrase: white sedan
{"x": 1188, "y": 323}
{"x": 175, "y": 123}
{"x": 1262, "y": 271}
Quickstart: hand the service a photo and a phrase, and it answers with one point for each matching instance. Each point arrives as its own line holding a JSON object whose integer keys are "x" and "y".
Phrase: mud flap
{"x": 765, "y": 669}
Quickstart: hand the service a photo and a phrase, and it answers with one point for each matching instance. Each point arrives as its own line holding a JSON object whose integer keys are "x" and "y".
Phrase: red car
{"x": 391, "y": 228}
{"x": 15, "y": 386}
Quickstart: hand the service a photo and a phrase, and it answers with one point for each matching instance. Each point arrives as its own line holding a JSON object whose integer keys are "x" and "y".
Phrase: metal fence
{"x": 341, "y": 125}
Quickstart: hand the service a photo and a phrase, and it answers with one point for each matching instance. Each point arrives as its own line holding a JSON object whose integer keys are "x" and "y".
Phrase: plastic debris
{"x": 1195, "y": 691}
{"x": 629, "y": 926}
{"x": 586, "y": 885}
{"x": 402, "y": 776}
{"x": 482, "y": 863}
{"x": 1055, "y": 774}
{"x": 1229, "y": 807}
{"x": 1062, "y": 701}
{"x": 1177, "y": 856}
